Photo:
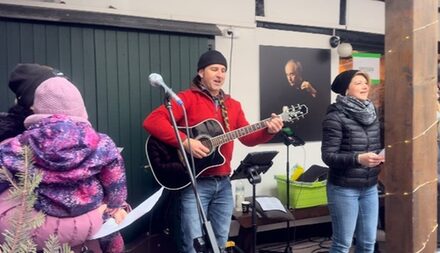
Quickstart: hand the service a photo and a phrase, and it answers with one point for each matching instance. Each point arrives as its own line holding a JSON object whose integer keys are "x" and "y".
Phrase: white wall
{"x": 245, "y": 88}
{"x": 367, "y": 16}
{"x": 225, "y": 12}
{"x": 302, "y": 12}
{"x": 362, "y": 15}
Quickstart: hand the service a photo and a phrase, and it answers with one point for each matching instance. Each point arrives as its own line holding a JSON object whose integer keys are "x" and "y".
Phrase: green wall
{"x": 110, "y": 66}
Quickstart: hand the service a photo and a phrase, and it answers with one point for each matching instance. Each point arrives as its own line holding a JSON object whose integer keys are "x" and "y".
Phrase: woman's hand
{"x": 119, "y": 215}
{"x": 102, "y": 208}
{"x": 370, "y": 159}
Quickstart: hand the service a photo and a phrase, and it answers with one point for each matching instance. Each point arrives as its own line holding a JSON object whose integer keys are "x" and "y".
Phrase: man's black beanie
{"x": 24, "y": 80}
{"x": 211, "y": 57}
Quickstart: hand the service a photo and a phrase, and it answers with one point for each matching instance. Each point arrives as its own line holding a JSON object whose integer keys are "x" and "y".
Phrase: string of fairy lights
{"x": 432, "y": 25}
{"x": 407, "y": 141}
{"x": 420, "y": 186}
{"x": 434, "y": 229}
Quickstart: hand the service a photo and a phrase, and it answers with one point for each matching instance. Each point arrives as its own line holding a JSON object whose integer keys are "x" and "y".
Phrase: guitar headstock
{"x": 294, "y": 112}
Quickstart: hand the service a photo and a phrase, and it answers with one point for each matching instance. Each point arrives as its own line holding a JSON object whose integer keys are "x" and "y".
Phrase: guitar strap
{"x": 221, "y": 101}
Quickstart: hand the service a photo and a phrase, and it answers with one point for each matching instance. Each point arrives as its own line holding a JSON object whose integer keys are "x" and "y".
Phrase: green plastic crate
{"x": 302, "y": 194}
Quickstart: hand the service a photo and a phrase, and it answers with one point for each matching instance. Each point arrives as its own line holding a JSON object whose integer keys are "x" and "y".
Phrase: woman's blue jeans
{"x": 354, "y": 212}
{"x": 216, "y": 196}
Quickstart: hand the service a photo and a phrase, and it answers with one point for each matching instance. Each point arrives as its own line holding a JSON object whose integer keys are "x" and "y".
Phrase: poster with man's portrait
{"x": 290, "y": 76}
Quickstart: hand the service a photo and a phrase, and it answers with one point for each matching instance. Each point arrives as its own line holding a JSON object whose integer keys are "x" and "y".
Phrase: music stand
{"x": 251, "y": 167}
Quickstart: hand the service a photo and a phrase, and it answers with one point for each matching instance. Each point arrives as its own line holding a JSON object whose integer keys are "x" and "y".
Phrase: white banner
{"x": 369, "y": 63}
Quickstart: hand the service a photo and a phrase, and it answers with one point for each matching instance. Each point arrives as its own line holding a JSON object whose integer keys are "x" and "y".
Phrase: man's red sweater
{"x": 200, "y": 107}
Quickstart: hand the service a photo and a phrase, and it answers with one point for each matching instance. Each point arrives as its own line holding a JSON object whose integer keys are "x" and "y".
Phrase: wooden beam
{"x": 362, "y": 41}
{"x": 410, "y": 125}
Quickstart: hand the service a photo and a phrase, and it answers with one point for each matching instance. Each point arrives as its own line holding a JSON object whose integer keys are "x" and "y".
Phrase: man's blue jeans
{"x": 216, "y": 197}
{"x": 354, "y": 211}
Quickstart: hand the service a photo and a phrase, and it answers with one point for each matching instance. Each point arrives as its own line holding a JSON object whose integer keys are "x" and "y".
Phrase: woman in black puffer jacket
{"x": 350, "y": 146}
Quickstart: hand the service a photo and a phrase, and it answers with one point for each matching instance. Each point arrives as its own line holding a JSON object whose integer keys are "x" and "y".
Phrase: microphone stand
{"x": 294, "y": 141}
{"x": 199, "y": 243}
{"x": 288, "y": 249}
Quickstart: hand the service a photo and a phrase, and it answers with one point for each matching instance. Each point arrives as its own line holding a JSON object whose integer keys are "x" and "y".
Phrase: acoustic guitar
{"x": 165, "y": 161}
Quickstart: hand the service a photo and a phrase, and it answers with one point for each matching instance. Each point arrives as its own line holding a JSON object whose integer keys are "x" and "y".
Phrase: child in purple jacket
{"x": 82, "y": 169}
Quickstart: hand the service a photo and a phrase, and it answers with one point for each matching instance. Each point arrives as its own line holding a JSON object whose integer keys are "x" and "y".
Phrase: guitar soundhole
{"x": 207, "y": 143}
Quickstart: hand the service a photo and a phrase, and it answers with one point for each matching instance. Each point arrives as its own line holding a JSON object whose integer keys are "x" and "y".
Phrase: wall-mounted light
{"x": 345, "y": 50}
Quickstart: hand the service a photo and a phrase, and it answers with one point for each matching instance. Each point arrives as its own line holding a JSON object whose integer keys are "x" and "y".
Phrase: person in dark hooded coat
{"x": 23, "y": 82}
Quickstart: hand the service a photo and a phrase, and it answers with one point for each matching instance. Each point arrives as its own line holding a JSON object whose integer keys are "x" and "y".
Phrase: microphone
{"x": 156, "y": 80}
{"x": 291, "y": 138}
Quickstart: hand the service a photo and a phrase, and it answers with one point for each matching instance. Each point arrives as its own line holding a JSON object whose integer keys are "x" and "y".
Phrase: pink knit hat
{"x": 57, "y": 96}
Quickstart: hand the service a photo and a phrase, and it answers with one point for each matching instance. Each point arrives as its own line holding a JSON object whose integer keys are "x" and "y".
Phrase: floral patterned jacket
{"x": 81, "y": 168}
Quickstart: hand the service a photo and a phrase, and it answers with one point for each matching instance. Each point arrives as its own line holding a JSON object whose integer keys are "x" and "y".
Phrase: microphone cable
{"x": 193, "y": 168}
{"x": 230, "y": 63}
{"x": 299, "y": 194}
{"x": 189, "y": 135}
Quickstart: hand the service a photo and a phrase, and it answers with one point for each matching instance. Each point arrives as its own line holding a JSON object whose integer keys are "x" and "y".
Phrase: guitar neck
{"x": 237, "y": 133}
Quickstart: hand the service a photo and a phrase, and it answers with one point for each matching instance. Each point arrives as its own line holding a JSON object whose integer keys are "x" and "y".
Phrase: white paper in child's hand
{"x": 382, "y": 153}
